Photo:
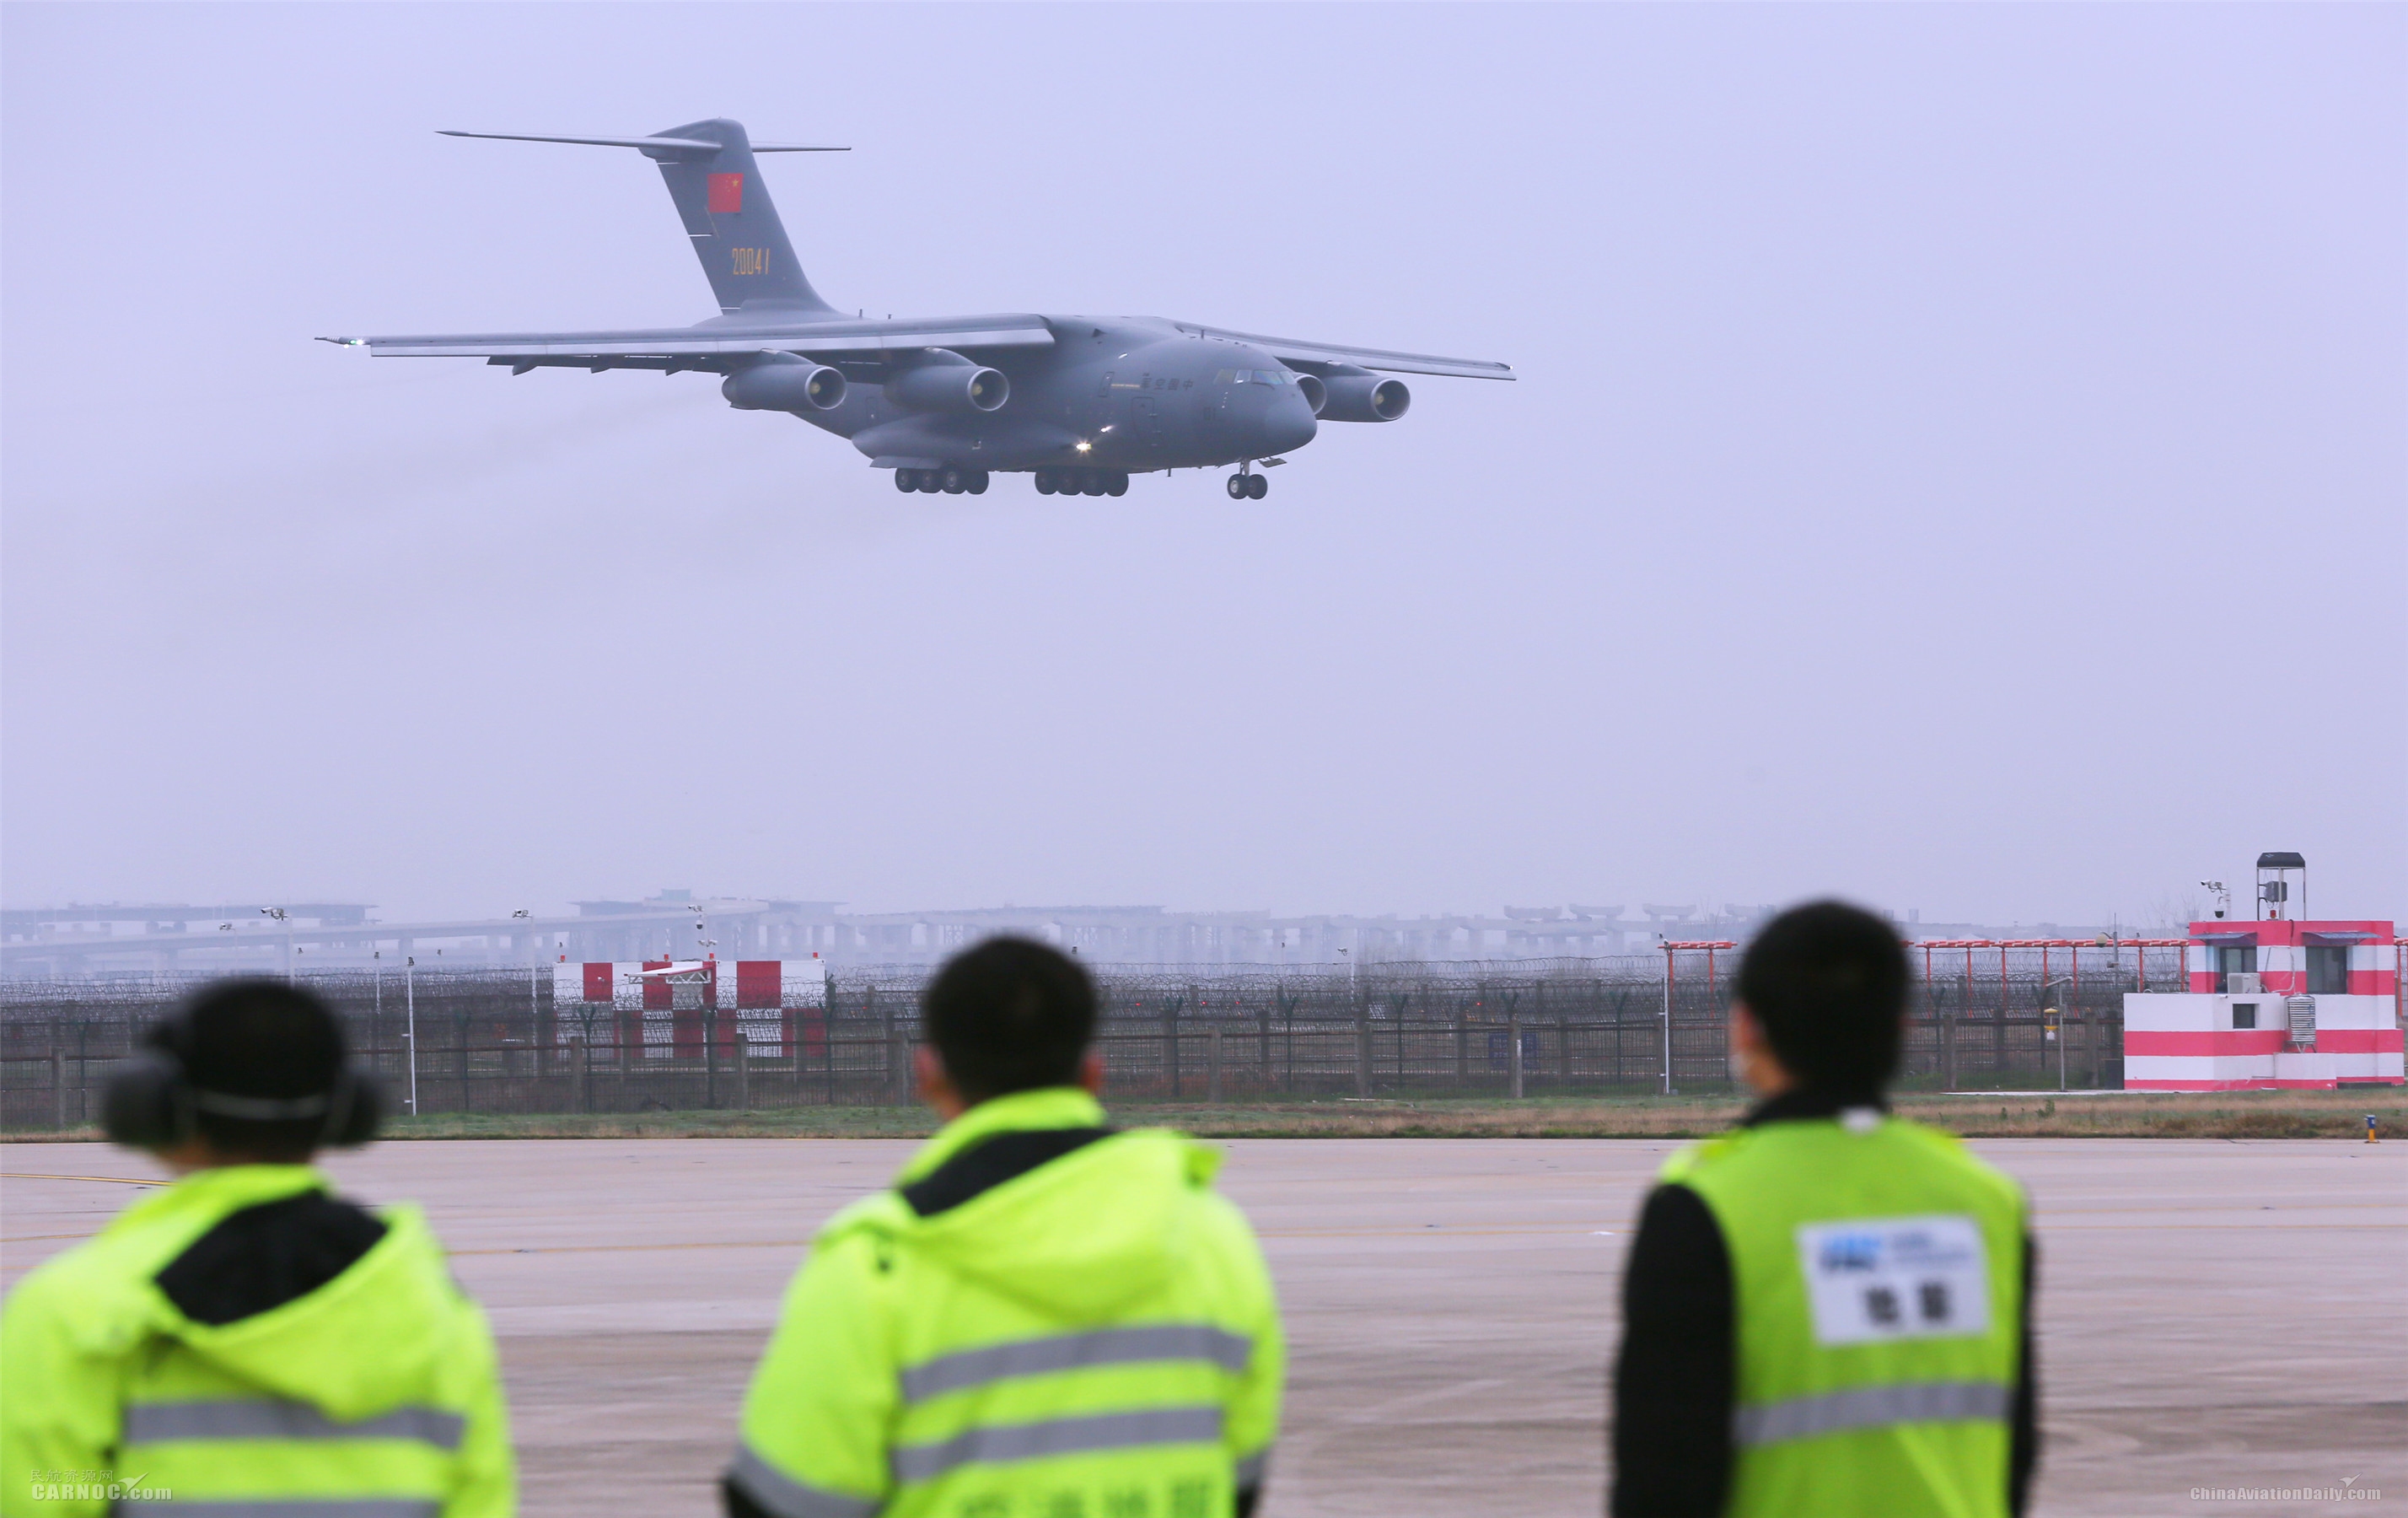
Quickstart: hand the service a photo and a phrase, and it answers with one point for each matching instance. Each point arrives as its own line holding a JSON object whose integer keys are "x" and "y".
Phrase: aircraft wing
{"x": 1290, "y": 350}
{"x": 711, "y": 345}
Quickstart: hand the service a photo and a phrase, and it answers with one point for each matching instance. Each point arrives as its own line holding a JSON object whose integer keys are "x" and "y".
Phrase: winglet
{"x": 346, "y": 342}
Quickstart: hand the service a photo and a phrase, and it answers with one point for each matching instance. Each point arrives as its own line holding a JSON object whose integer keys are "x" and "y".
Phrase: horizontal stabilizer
{"x": 681, "y": 146}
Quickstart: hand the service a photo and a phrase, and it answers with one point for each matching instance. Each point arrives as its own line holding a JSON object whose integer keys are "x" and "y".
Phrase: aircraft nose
{"x": 1288, "y": 424}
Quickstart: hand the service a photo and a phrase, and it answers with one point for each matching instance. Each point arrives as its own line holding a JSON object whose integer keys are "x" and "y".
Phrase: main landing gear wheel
{"x": 907, "y": 480}
{"x": 975, "y": 481}
{"x": 951, "y": 480}
{"x": 1081, "y": 482}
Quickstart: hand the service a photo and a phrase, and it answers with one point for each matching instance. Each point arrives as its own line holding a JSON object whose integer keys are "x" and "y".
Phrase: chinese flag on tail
{"x": 726, "y": 195}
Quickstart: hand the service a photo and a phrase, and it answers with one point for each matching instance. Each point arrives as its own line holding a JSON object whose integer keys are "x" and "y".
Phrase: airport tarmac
{"x": 2213, "y": 1314}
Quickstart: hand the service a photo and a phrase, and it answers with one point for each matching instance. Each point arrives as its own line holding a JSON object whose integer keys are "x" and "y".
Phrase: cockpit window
{"x": 1254, "y": 376}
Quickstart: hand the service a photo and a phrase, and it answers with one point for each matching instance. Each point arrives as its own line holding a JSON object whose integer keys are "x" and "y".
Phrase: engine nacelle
{"x": 1316, "y": 394}
{"x": 1364, "y": 398}
{"x": 785, "y": 385}
{"x": 958, "y": 388}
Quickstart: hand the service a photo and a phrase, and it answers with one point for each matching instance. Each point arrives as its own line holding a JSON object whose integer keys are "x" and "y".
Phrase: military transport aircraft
{"x": 1079, "y": 402}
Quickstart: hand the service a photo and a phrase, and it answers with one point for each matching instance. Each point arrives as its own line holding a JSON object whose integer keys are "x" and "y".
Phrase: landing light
{"x": 1084, "y": 447}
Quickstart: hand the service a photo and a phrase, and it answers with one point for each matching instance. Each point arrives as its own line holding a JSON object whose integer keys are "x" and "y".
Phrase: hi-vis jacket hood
{"x": 355, "y": 1347}
{"x": 1079, "y": 1236}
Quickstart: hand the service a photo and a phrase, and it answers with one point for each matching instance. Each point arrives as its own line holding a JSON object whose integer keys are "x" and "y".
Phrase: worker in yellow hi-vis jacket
{"x": 1827, "y": 1312}
{"x": 1045, "y": 1318}
{"x": 244, "y": 1342}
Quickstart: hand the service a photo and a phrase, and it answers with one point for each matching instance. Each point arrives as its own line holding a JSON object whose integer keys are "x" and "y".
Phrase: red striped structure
{"x": 771, "y": 1007}
{"x": 2272, "y": 1004}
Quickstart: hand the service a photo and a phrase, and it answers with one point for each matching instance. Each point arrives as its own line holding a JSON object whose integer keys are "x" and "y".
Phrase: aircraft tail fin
{"x": 725, "y": 207}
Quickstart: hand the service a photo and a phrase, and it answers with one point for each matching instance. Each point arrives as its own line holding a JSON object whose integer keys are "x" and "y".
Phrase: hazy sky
{"x": 1961, "y": 460}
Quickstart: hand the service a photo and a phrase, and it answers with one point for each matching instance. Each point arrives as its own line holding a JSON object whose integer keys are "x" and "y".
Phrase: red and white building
{"x": 2274, "y": 1003}
{"x": 771, "y": 1007}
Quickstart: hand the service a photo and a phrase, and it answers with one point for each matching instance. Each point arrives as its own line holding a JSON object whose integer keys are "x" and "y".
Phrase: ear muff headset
{"x": 152, "y": 1103}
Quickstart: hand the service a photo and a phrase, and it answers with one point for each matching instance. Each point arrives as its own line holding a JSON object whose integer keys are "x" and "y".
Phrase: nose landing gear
{"x": 1246, "y": 485}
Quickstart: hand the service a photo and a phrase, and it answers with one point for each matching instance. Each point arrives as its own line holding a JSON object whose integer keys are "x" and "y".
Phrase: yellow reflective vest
{"x": 374, "y": 1394}
{"x": 1877, "y": 1276}
{"x": 1044, "y": 1320}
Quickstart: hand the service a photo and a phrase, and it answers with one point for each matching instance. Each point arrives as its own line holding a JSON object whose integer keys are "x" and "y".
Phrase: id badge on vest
{"x": 1871, "y": 1279}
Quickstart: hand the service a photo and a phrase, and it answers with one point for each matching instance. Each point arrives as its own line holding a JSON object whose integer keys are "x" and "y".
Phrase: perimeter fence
{"x": 493, "y": 1041}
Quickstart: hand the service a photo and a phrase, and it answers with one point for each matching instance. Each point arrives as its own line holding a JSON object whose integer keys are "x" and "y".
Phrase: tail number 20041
{"x": 751, "y": 260}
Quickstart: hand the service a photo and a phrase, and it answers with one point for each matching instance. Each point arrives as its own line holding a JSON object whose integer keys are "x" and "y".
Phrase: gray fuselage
{"x": 1141, "y": 395}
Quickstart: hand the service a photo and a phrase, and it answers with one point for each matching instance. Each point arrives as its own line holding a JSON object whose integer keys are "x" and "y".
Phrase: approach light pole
{"x": 2053, "y": 1020}
{"x": 1667, "y": 1088}
{"x": 409, "y": 1029}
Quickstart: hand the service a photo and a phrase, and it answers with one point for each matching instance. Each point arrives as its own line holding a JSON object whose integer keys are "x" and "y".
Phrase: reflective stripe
{"x": 160, "y": 1423}
{"x": 787, "y": 1497}
{"x": 307, "y": 1507}
{"x": 1076, "y": 1351}
{"x": 1253, "y": 1467}
{"x": 1872, "y": 1407}
{"x": 999, "y": 1442}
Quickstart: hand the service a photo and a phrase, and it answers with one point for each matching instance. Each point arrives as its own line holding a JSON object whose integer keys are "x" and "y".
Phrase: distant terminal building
{"x": 2277, "y": 1001}
{"x": 77, "y": 942}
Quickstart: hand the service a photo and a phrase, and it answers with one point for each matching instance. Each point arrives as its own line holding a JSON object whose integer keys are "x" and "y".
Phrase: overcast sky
{"x": 1961, "y": 460}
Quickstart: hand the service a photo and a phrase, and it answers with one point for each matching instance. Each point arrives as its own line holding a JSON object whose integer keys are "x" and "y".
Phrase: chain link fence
{"x": 493, "y": 1041}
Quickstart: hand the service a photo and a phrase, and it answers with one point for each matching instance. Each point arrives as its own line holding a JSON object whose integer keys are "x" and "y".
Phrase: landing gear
{"x": 1246, "y": 486}
{"x": 1081, "y": 482}
{"x": 949, "y": 479}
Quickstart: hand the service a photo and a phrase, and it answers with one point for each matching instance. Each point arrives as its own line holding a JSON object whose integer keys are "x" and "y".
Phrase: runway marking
{"x": 1385, "y": 1410}
{"x": 112, "y": 1179}
{"x": 1402, "y": 1233}
{"x": 2211, "y": 1227}
{"x": 1268, "y": 1233}
{"x": 2249, "y": 1209}
{"x": 41, "y": 1239}
{"x": 630, "y": 1249}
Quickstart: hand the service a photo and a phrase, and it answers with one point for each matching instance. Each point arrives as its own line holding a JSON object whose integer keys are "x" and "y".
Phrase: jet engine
{"x": 1363, "y": 398}
{"x": 1316, "y": 394}
{"x": 962, "y": 386}
{"x": 785, "y": 384}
